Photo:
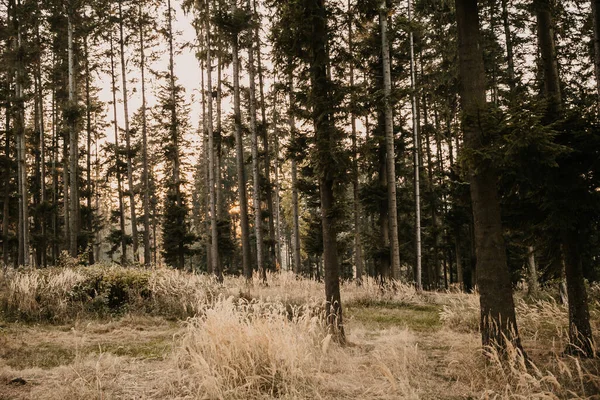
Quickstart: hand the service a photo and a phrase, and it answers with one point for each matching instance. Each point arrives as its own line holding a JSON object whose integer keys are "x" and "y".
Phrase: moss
{"x": 43, "y": 355}
{"x": 420, "y": 318}
{"x": 152, "y": 349}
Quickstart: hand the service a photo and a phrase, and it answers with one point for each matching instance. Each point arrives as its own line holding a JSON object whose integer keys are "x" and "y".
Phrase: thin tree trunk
{"x": 389, "y": 144}
{"x": 498, "y": 322}
{"x": 7, "y": 154}
{"x": 278, "y": 244}
{"x": 596, "y": 22}
{"x": 174, "y": 128}
{"x": 88, "y": 112}
{"x": 117, "y": 156}
{"x": 510, "y": 59}
{"x": 295, "y": 211}
{"x": 358, "y": 256}
{"x": 241, "y": 173}
{"x": 22, "y": 147}
{"x": 533, "y": 286}
{"x": 145, "y": 174}
{"x": 73, "y": 148}
{"x": 255, "y": 174}
{"x": 417, "y": 158}
{"x": 131, "y": 188}
{"x": 211, "y": 163}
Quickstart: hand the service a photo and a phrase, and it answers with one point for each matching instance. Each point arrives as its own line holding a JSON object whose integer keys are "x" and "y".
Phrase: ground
{"x": 409, "y": 345}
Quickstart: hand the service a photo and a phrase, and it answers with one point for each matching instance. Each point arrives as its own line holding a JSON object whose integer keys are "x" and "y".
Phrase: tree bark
{"x": 580, "y": 332}
{"x": 295, "y": 211}
{"x": 260, "y": 263}
{"x": 214, "y": 233}
{"x": 358, "y": 256}
{"x": 131, "y": 191}
{"x": 73, "y": 148}
{"x": 117, "y": 156}
{"x": 145, "y": 174}
{"x": 88, "y": 170}
{"x": 510, "y": 59}
{"x": 241, "y": 173}
{"x": 389, "y": 145}
{"x": 326, "y": 144}
{"x": 498, "y": 322}
{"x": 416, "y": 141}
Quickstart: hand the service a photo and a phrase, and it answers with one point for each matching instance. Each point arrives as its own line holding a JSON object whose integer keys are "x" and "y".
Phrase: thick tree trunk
{"x": 273, "y": 245}
{"x": 260, "y": 263}
{"x": 580, "y": 333}
{"x": 389, "y": 144}
{"x": 549, "y": 61}
{"x": 295, "y": 211}
{"x": 326, "y": 144}
{"x": 145, "y": 174}
{"x": 131, "y": 191}
{"x": 498, "y": 322}
{"x": 241, "y": 173}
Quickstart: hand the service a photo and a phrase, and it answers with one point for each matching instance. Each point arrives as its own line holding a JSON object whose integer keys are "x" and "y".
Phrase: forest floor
{"x": 408, "y": 345}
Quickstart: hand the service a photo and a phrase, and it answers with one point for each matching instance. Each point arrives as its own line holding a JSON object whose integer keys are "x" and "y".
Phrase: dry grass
{"x": 255, "y": 341}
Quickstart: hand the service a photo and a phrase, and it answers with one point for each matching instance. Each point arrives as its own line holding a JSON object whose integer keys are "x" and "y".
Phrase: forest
{"x": 372, "y": 199}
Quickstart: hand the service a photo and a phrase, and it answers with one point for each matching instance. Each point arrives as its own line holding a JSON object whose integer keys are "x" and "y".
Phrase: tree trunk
{"x": 389, "y": 144}
{"x": 510, "y": 59}
{"x": 145, "y": 174}
{"x": 326, "y": 145}
{"x": 596, "y": 22}
{"x": 7, "y": 154}
{"x": 295, "y": 211}
{"x": 255, "y": 175}
{"x": 214, "y": 233}
{"x": 498, "y": 322}
{"x": 417, "y": 159}
{"x": 88, "y": 113}
{"x": 73, "y": 148}
{"x": 117, "y": 156}
{"x": 273, "y": 245}
{"x": 580, "y": 333}
{"x": 131, "y": 191}
{"x": 533, "y": 286}
{"x": 241, "y": 173}
{"x": 358, "y": 256}
{"x": 549, "y": 62}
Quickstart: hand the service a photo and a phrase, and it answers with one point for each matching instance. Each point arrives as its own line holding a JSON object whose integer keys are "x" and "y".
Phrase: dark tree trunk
{"x": 326, "y": 144}
{"x": 241, "y": 173}
{"x": 498, "y": 322}
{"x": 580, "y": 332}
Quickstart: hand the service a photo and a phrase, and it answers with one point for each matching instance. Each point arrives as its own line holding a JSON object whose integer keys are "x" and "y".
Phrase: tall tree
{"x": 125, "y": 93}
{"x": 389, "y": 142}
{"x": 580, "y": 331}
{"x": 260, "y": 263}
{"x": 327, "y": 145}
{"x": 498, "y": 322}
